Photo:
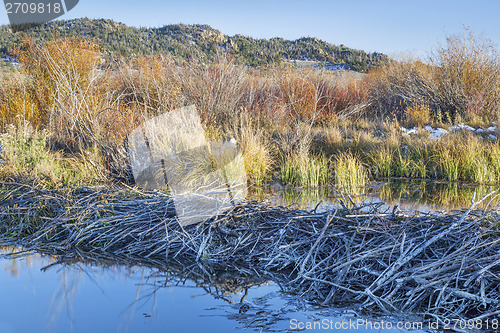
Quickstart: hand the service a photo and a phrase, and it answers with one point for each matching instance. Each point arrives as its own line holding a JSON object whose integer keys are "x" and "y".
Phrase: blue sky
{"x": 389, "y": 26}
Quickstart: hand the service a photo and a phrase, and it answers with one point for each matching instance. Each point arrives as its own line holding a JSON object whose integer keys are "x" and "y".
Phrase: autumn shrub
{"x": 64, "y": 89}
{"x": 298, "y": 92}
{"x": 18, "y": 104}
{"x": 460, "y": 81}
{"x": 150, "y": 84}
{"x": 468, "y": 77}
{"x": 215, "y": 87}
{"x": 321, "y": 97}
{"x": 263, "y": 102}
{"x": 344, "y": 97}
{"x": 399, "y": 85}
{"x": 63, "y": 76}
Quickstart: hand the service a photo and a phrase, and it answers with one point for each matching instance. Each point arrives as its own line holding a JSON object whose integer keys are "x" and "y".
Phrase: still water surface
{"x": 42, "y": 294}
{"x": 409, "y": 195}
{"x": 45, "y": 293}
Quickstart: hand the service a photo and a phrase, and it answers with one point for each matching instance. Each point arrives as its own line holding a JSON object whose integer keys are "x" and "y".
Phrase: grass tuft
{"x": 304, "y": 170}
{"x": 350, "y": 174}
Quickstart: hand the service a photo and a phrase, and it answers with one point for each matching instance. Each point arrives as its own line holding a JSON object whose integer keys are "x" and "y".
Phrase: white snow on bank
{"x": 436, "y": 133}
{"x": 407, "y": 132}
{"x": 462, "y": 126}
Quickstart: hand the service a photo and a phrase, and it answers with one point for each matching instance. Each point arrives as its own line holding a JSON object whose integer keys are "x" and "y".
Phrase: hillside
{"x": 185, "y": 40}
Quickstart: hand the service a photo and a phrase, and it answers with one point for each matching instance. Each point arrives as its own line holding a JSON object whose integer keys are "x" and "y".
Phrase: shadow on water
{"x": 105, "y": 293}
{"x": 409, "y": 194}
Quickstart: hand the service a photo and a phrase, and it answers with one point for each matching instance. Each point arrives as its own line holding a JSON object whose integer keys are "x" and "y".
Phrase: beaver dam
{"x": 439, "y": 266}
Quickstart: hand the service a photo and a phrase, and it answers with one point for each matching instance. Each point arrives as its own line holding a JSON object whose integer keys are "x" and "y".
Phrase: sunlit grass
{"x": 26, "y": 155}
{"x": 257, "y": 155}
{"x": 350, "y": 174}
{"x": 304, "y": 170}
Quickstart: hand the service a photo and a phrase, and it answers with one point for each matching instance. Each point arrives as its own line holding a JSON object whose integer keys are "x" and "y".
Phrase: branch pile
{"x": 444, "y": 265}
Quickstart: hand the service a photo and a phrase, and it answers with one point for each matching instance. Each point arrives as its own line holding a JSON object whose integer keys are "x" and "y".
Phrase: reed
{"x": 304, "y": 170}
{"x": 350, "y": 174}
{"x": 381, "y": 161}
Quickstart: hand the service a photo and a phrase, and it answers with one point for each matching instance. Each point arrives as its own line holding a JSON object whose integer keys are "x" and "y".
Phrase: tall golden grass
{"x": 350, "y": 174}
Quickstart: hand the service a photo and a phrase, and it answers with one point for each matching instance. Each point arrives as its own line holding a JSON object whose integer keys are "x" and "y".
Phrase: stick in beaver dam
{"x": 434, "y": 265}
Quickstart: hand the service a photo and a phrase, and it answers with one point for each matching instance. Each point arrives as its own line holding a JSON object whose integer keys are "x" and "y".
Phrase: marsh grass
{"x": 460, "y": 156}
{"x": 304, "y": 170}
{"x": 381, "y": 162}
{"x": 256, "y": 154}
{"x": 463, "y": 156}
{"x": 26, "y": 155}
{"x": 448, "y": 165}
{"x": 350, "y": 174}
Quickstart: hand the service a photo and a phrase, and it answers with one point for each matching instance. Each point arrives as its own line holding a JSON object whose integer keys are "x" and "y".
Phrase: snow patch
{"x": 436, "y": 133}
{"x": 462, "y": 126}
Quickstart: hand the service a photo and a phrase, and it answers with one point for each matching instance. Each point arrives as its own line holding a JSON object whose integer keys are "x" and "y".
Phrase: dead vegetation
{"x": 435, "y": 265}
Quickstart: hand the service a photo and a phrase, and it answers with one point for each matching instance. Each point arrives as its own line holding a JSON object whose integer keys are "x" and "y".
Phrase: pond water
{"x": 46, "y": 293}
{"x": 52, "y": 293}
{"x": 409, "y": 195}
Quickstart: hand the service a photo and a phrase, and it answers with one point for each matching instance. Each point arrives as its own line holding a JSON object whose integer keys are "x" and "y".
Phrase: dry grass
{"x": 418, "y": 115}
{"x": 350, "y": 174}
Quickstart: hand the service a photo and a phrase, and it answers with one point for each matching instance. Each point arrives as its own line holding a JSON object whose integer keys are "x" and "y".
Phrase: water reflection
{"x": 57, "y": 293}
{"x": 410, "y": 195}
{"x": 432, "y": 194}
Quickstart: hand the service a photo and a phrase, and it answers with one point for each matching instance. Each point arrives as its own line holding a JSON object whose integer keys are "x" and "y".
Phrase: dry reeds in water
{"x": 436, "y": 265}
{"x": 350, "y": 173}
